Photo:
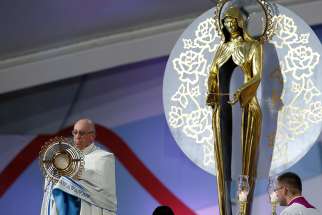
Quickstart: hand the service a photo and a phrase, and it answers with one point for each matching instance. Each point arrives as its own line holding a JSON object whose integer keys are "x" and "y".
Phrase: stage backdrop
{"x": 126, "y": 104}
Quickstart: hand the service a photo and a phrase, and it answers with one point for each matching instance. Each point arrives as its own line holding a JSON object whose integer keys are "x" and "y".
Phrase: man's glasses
{"x": 81, "y": 133}
{"x": 278, "y": 188}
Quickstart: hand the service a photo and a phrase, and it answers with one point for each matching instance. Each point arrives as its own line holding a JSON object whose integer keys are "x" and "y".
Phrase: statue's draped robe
{"x": 225, "y": 74}
{"x": 246, "y": 54}
{"x": 93, "y": 194}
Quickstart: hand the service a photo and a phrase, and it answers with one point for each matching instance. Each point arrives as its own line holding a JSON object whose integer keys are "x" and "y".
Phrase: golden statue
{"x": 237, "y": 49}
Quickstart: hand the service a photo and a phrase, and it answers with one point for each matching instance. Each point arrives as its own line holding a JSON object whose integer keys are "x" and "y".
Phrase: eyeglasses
{"x": 81, "y": 133}
{"x": 278, "y": 188}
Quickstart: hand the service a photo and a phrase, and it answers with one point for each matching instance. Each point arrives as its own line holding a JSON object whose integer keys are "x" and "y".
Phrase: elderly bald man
{"x": 84, "y": 133}
{"x": 94, "y": 193}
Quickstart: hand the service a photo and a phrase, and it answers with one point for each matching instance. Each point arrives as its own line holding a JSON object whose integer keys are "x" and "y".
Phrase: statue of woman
{"x": 237, "y": 49}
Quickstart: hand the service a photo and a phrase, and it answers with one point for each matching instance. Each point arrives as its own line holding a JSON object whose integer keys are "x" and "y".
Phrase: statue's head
{"x": 232, "y": 22}
{"x": 234, "y": 13}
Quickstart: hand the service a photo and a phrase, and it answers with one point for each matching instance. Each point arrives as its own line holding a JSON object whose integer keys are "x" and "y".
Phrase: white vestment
{"x": 301, "y": 207}
{"x": 95, "y": 188}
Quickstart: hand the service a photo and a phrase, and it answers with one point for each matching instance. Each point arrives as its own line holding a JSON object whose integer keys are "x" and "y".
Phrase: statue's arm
{"x": 213, "y": 87}
{"x": 248, "y": 90}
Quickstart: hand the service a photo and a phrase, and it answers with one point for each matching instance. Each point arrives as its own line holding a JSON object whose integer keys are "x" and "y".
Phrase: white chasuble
{"x": 93, "y": 194}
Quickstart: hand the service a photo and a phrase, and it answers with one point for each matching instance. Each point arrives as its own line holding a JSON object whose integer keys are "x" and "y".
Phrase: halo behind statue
{"x": 58, "y": 157}
{"x": 299, "y": 120}
{"x": 268, "y": 23}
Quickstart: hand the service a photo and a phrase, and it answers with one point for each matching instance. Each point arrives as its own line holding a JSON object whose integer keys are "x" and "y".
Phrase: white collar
{"x": 89, "y": 149}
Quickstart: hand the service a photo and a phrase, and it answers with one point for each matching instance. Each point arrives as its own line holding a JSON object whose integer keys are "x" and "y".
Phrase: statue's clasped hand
{"x": 235, "y": 99}
{"x": 211, "y": 100}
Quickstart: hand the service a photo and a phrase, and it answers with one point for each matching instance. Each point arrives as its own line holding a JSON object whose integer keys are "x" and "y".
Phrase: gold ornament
{"x": 58, "y": 157}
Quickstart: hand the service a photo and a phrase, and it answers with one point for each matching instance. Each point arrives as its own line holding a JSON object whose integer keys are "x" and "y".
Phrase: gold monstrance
{"x": 59, "y": 157}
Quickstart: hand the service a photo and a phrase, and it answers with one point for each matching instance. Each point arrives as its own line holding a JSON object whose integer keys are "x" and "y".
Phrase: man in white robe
{"x": 289, "y": 193}
{"x": 94, "y": 193}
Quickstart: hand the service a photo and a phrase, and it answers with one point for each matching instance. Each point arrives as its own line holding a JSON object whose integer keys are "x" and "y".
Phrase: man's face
{"x": 281, "y": 192}
{"x": 83, "y": 134}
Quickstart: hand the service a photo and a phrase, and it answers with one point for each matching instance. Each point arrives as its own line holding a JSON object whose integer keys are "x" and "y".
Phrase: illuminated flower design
{"x": 295, "y": 120}
{"x": 315, "y": 113}
{"x": 209, "y": 156}
{"x": 301, "y": 95}
{"x": 206, "y": 33}
{"x": 296, "y": 87}
{"x": 302, "y": 60}
{"x": 282, "y": 136}
{"x": 176, "y": 118}
{"x": 285, "y": 31}
{"x": 304, "y": 38}
{"x": 195, "y": 92}
{"x": 197, "y": 125}
{"x": 189, "y": 66}
{"x": 280, "y": 150}
{"x": 310, "y": 91}
{"x": 187, "y": 44}
{"x": 180, "y": 96}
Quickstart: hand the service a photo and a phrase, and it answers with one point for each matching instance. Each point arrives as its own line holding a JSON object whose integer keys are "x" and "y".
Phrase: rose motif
{"x": 195, "y": 92}
{"x": 302, "y": 60}
{"x": 198, "y": 125}
{"x": 310, "y": 91}
{"x": 296, "y": 87}
{"x": 282, "y": 137}
{"x": 206, "y": 33}
{"x": 304, "y": 38}
{"x": 285, "y": 32}
{"x": 315, "y": 114}
{"x": 176, "y": 118}
{"x": 189, "y": 66}
{"x": 298, "y": 64}
{"x": 180, "y": 96}
{"x": 187, "y": 44}
{"x": 280, "y": 149}
{"x": 294, "y": 120}
{"x": 209, "y": 155}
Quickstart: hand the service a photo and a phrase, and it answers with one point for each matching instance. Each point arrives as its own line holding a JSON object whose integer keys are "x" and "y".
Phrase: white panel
{"x": 107, "y": 52}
